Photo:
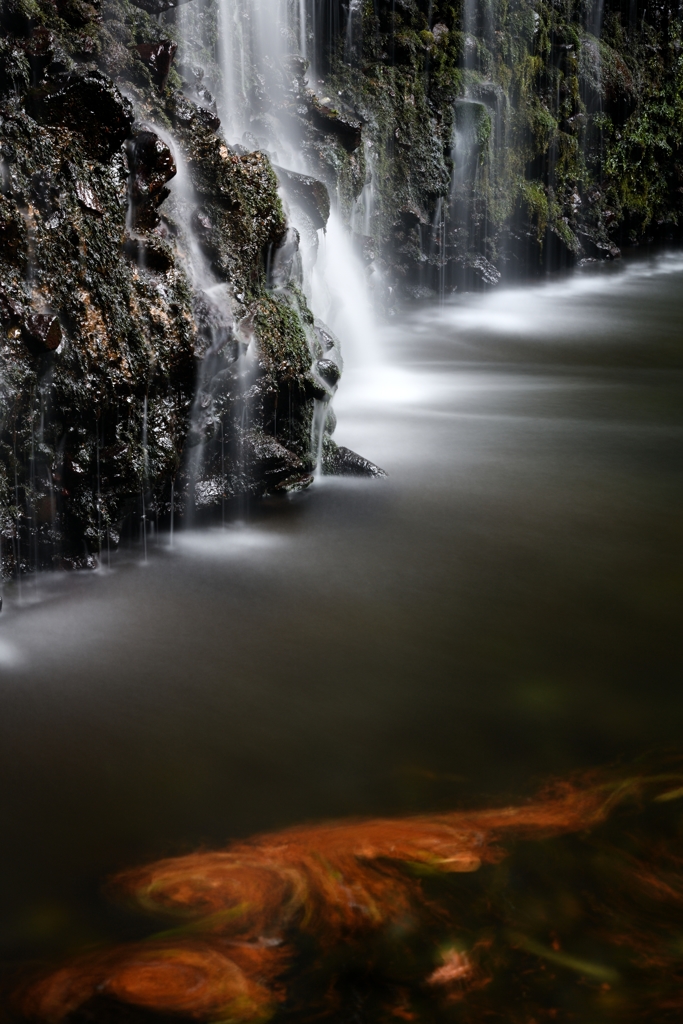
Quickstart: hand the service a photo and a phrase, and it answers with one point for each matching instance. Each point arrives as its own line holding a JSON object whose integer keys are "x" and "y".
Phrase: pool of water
{"x": 504, "y": 607}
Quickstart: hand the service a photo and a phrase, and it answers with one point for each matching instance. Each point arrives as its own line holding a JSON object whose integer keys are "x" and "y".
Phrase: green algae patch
{"x": 281, "y": 337}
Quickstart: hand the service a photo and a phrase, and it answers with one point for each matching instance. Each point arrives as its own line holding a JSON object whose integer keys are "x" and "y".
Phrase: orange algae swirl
{"x": 193, "y": 978}
{"x": 240, "y": 912}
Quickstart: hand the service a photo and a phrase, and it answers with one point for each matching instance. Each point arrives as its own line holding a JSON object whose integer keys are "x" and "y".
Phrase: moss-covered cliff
{"x": 157, "y": 356}
{"x": 513, "y": 136}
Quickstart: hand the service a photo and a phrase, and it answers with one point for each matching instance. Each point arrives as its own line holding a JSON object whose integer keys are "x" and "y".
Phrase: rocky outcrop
{"x": 469, "y": 145}
{"x": 340, "y": 461}
{"x": 157, "y": 357}
{"x": 309, "y": 194}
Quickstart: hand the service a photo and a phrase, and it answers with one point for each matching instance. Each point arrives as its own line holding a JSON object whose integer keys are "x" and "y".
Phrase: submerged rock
{"x": 264, "y": 917}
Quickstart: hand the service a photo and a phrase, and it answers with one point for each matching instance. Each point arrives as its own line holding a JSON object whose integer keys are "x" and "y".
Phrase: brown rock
{"x": 158, "y": 57}
{"x": 43, "y": 331}
{"x": 152, "y": 165}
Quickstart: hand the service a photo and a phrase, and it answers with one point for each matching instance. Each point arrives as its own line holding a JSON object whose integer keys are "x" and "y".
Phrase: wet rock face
{"x": 332, "y": 122}
{"x": 158, "y": 6}
{"x": 340, "y": 461}
{"x": 158, "y": 57}
{"x": 76, "y": 377}
{"x": 88, "y": 103}
{"x": 154, "y": 363}
{"x": 152, "y": 165}
{"x": 43, "y": 332}
{"x": 307, "y": 193}
{"x": 329, "y": 371}
{"x": 542, "y": 136}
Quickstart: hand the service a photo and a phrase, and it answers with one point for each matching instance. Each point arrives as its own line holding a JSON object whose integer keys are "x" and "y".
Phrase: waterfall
{"x": 365, "y": 208}
{"x": 256, "y": 42}
{"x": 340, "y": 296}
{"x": 145, "y": 478}
{"x": 594, "y": 18}
{"x": 250, "y": 37}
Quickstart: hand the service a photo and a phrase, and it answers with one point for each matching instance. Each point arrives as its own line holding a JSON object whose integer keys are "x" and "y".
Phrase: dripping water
{"x": 17, "y": 533}
{"x": 99, "y": 492}
{"x": 143, "y": 523}
{"x": 170, "y": 541}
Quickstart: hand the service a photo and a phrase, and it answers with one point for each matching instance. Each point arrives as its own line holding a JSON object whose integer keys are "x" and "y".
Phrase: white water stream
{"x": 259, "y": 35}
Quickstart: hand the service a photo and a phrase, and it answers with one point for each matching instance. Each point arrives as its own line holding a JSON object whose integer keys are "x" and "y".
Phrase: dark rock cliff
{"x": 510, "y": 138}
{"x": 157, "y": 357}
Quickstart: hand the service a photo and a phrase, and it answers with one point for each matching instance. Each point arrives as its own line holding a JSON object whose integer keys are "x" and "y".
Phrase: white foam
{"x": 231, "y": 541}
{"x": 10, "y": 655}
{"x": 340, "y": 296}
{"x": 530, "y": 309}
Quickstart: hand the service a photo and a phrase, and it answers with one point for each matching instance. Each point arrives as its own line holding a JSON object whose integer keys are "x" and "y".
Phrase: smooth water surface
{"x": 505, "y": 606}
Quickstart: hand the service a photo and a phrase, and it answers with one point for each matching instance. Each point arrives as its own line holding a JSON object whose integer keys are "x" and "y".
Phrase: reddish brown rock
{"x": 43, "y": 331}
{"x": 158, "y": 57}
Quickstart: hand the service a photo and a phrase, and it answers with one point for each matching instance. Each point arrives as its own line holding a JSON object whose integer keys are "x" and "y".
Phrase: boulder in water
{"x": 482, "y": 269}
{"x": 329, "y": 371}
{"x": 599, "y": 248}
{"x": 340, "y": 461}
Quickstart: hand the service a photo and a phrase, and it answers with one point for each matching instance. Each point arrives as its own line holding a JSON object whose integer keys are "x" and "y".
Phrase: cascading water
{"x": 221, "y": 335}
{"x": 145, "y": 477}
{"x": 365, "y": 208}
{"x": 256, "y": 43}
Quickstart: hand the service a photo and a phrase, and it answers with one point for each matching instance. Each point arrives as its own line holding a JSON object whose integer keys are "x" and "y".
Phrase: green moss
{"x": 281, "y": 337}
{"x": 542, "y": 126}
{"x": 642, "y": 162}
{"x": 534, "y": 197}
{"x": 592, "y": 124}
{"x": 116, "y": 397}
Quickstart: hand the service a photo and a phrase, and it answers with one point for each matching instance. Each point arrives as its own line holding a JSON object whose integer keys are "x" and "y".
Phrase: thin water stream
{"x": 505, "y": 606}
